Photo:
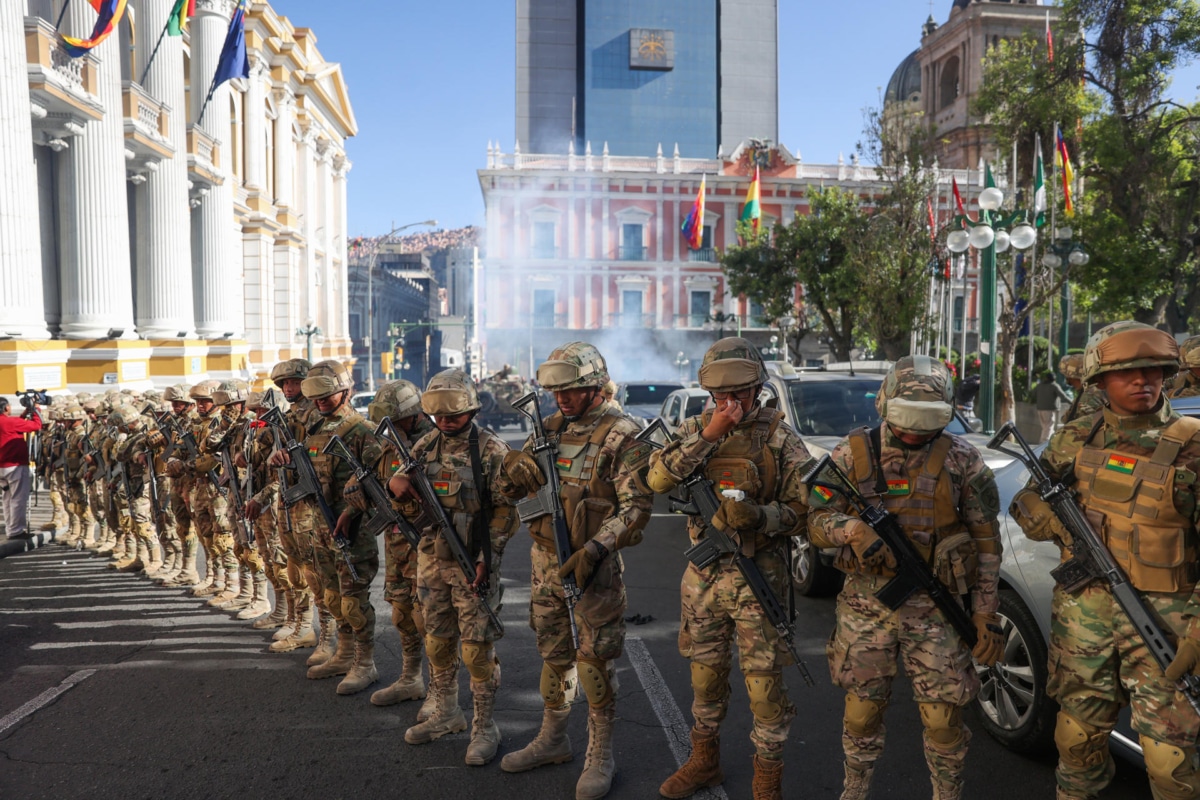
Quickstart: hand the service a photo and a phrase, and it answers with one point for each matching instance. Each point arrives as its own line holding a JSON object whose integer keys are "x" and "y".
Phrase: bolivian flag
{"x": 1064, "y": 165}
{"x": 1122, "y": 464}
{"x": 180, "y": 14}
{"x": 752, "y": 210}
{"x": 109, "y": 13}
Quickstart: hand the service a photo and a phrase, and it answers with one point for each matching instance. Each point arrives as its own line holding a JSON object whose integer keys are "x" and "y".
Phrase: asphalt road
{"x": 113, "y": 687}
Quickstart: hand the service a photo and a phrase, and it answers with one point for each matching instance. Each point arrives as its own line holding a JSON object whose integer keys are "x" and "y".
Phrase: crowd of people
{"x": 364, "y": 247}
{"x": 287, "y": 489}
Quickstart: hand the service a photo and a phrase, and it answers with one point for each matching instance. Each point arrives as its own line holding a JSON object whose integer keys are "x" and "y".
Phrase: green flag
{"x": 180, "y": 14}
{"x": 1039, "y": 183}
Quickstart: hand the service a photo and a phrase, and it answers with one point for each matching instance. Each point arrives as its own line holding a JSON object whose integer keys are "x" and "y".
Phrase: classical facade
{"x": 144, "y": 244}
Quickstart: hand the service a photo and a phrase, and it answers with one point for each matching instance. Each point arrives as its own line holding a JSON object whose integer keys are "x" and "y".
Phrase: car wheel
{"x": 1012, "y": 703}
{"x": 810, "y": 575}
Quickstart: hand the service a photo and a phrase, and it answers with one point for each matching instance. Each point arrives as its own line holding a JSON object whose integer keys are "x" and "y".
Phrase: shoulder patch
{"x": 636, "y": 455}
{"x": 983, "y": 484}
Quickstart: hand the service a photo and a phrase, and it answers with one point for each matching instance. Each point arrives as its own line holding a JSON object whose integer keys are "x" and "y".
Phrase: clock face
{"x": 651, "y": 48}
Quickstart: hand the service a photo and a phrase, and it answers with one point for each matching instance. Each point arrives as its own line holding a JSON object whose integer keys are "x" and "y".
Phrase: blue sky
{"x": 432, "y": 83}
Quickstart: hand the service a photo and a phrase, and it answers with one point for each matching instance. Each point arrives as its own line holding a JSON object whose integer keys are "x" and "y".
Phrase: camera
{"x": 31, "y": 397}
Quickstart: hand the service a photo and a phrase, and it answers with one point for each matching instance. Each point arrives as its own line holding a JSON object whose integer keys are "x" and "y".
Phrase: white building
{"x": 140, "y": 245}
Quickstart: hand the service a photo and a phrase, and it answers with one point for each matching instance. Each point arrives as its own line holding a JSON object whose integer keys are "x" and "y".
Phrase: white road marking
{"x": 156, "y": 606}
{"x": 45, "y": 698}
{"x": 665, "y": 708}
{"x": 206, "y": 619}
{"x": 146, "y": 642}
{"x": 144, "y": 593}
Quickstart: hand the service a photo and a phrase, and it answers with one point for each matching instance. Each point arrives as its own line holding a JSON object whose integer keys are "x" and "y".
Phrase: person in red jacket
{"x": 15, "y": 479}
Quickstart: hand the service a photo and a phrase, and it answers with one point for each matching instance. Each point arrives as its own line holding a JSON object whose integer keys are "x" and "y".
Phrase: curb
{"x": 26, "y": 543}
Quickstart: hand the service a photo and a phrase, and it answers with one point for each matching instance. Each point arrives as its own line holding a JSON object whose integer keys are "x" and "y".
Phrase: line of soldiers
{"x": 291, "y": 486}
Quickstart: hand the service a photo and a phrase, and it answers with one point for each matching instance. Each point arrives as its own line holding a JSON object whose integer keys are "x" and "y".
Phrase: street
{"x": 113, "y": 687}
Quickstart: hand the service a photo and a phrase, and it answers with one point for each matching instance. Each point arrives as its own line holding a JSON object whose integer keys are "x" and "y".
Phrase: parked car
{"x": 360, "y": 400}
{"x": 643, "y": 399}
{"x": 681, "y": 404}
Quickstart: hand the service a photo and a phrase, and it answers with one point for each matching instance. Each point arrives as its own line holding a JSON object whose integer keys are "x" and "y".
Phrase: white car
{"x": 681, "y": 404}
{"x": 360, "y": 400}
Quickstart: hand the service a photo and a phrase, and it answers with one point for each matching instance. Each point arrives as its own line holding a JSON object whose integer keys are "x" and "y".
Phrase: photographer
{"x": 14, "y": 464}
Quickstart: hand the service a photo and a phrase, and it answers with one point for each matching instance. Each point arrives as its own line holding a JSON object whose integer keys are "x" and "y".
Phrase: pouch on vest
{"x": 956, "y": 563}
{"x": 730, "y": 472}
{"x": 590, "y": 515}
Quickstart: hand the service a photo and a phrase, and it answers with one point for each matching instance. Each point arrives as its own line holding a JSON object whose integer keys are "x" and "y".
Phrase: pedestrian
{"x": 601, "y": 470}
{"x": 968, "y": 390}
{"x": 1187, "y": 382}
{"x": 1132, "y": 470}
{"x": 945, "y": 499}
{"x": 1088, "y": 398}
{"x": 15, "y": 479}
{"x": 745, "y": 447}
{"x": 1047, "y": 396}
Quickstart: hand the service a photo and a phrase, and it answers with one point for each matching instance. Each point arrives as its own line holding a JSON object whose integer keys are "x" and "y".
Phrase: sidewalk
{"x": 36, "y": 538}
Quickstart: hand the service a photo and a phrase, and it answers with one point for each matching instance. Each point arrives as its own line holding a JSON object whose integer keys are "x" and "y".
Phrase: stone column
{"x": 22, "y": 313}
{"x": 285, "y": 150}
{"x": 164, "y": 253}
{"x": 97, "y": 284}
{"x": 254, "y": 117}
{"x": 217, "y": 270}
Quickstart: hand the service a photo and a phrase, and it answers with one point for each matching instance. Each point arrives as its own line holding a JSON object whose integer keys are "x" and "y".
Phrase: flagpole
{"x": 154, "y": 52}
{"x": 211, "y": 90}
{"x": 62, "y": 13}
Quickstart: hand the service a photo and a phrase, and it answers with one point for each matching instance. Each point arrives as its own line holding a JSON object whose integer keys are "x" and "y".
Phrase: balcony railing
{"x": 146, "y": 124}
{"x": 708, "y": 254}
{"x": 544, "y": 251}
{"x": 204, "y": 158}
{"x": 549, "y": 320}
{"x": 65, "y": 89}
{"x": 631, "y": 320}
{"x": 633, "y": 252}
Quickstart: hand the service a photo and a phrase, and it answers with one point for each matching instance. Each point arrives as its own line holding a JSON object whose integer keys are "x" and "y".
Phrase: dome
{"x": 906, "y": 81}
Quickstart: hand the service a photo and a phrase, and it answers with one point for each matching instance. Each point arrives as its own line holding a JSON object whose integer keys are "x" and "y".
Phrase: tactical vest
{"x": 314, "y": 444}
{"x": 588, "y": 498}
{"x": 1130, "y": 500}
{"x": 74, "y": 454}
{"x": 454, "y": 485}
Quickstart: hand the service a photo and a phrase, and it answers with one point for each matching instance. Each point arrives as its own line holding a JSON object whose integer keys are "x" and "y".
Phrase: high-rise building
{"x": 701, "y": 75}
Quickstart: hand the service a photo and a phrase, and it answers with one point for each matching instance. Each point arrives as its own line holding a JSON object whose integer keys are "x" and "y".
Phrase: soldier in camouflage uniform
{"x": 1187, "y": 382}
{"x": 92, "y": 474}
{"x": 120, "y": 518}
{"x": 609, "y": 392}
{"x": 53, "y": 452}
{"x": 179, "y": 482}
{"x": 133, "y": 489}
{"x": 484, "y": 520}
{"x": 168, "y": 535}
{"x": 79, "y": 513}
{"x": 1088, "y": 399}
{"x": 741, "y": 446}
{"x": 946, "y": 500}
{"x": 269, "y": 526}
{"x": 209, "y": 506}
{"x": 1133, "y": 470}
{"x": 399, "y": 401}
{"x": 607, "y": 504}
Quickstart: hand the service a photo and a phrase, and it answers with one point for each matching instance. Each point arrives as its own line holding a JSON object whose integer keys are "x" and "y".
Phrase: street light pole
{"x": 369, "y": 338}
{"x": 308, "y": 332}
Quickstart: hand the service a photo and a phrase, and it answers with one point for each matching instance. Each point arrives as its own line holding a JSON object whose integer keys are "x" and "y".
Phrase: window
{"x": 948, "y": 88}
{"x": 705, "y": 253}
{"x": 958, "y": 313}
{"x": 756, "y": 320}
{"x": 356, "y": 327}
{"x": 631, "y": 308}
{"x": 543, "y": 240}
{"x": 543, "y": 308}
{"x": 631, "y": 242}
{"x": 700, "y": 308}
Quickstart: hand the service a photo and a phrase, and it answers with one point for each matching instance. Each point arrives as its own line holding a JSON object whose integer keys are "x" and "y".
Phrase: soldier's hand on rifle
{"x": 342, "y": 528}
{"x": 726, "y": 416}
{"x": 738, "y": 515}
{"x": 523, "y": 471}
{"x": 354, "y": 494}
{"x": 990, "y": 644}
{"x": 280, "y": 458}
{"x": 175, "y": 468}
{"x": 583, "y": 562}
{"x": 140, "y": 458}
{"x": 480, "y": 576}
{"x": 254, "y": 509}
{"x": 402, "y": 488}
{"x": 870, "y": 549}
{"x": 1187, "y": 660}
{"x": 239, "y": 460}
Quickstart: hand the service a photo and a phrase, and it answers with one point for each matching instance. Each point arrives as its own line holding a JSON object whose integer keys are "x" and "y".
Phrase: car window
{"x": 695, "y": 405}
{"x": 648, "y": 394}
{"x": 832, "y": 408}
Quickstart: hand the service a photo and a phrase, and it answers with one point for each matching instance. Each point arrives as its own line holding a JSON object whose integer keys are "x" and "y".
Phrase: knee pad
{"x": 943, "y": 724}
{"x": 404, "y": 619}
{"x": 1172, "y": 769}
{"x": 554, "y": 684}
{"x": 352, "y": 612}
{"x": 440, "y": 652}
{"x": 766, "y": 695}
{"x": 1080, "y": 745}
{"x": 480, "y": 660}
{"x": 593, "y": 679}
{"x": 332, "y": 600}
{"x": 863, "y": 718}
{"x": 709, "y": 685}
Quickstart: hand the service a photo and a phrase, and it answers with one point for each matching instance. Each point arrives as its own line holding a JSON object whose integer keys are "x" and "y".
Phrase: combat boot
{"x": 124, "y": 553}
{"x": 231, "y": 590}
{"x": 430, "y": 705}
{"x": 141, "y": 557}
{"x": 105, "y": 541}
{"x": 214, "y": 582}
{"x": 187, "y": 575}
{"x": 858, "y": 783}
{"x": 700, "y": 771}
{"x": 768, "y": 778}
{"x": 245, "y": 595}
{"x": 447, "y": 717}
{"x": 291, "y": 622}
{"x": 277, "y": 616}
{"x": 169, "y": 566}
{"x": 598, "y": 766}
{"x": 485, "y": 733}
{"x": 302, "y": 635}
{"x": 409, "y": 686}
{"x": 947, "y": 790}
{"x": 341, "y": 661}
{"x": 363, "y": 673}
{"x": 327, "y": 641}
{"x": 550, "y": 746}
{"x": 152, "y": 561}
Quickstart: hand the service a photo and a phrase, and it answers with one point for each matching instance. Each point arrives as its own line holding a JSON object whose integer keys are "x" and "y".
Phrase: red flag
{"x": 957, "y": 197}
{"x": 1049, "y": 40}
{"x": 932, "y": 223}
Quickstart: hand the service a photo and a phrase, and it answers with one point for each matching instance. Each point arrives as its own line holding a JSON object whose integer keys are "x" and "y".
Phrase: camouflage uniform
{"x": 945, "y": 499}
{"x": 601, "y": 470}
{"x": 256, "y": 446}
{"x": 168, "y": 535}
{"x": 1088, "y": 399}
{"x": 449, "y": 606}
{"x": 764, "y": 458}
{"x": 1135, "y": 479}
{"x": 79, "y": 513}
{"x": 1187, "y": 382}
{"x": 179, "y": 482}
{"x": 93, "y": 478}
{"x": 53, "y": 453}
{"x": 132, "y": 491}
{"x": 210, "y": 509}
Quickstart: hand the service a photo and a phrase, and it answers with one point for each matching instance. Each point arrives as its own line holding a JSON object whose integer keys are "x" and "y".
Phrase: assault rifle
{"x": 415, "y": 471}
{"x": 160, "y": 423}
{"x": 384, "y": 516}
{"x": 548, "y": 502}
{"x": 1090, "y": 560}
{"x": 307, "y": 483}
{"x": 715, "y": 544}
{"x": 98, "y": 463}
{"x": 248, "y": 487}
{"x": 233, "y": 484}
{"x": 281, "y": 472}
{"x": 912, "y": 571}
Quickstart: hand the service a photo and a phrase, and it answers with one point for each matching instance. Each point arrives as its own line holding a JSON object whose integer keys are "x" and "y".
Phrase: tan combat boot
{"x": 187, "y": 575}
{"x": 171, "y": 564}
{"x": 104, "y": 540}
{"x": 213, "y": 583}
{"x": 152, "y": 562}
{"x": 700, "y": 771}
{"x": 447, "y": 717}
{"x": 303, "y": 635}
{"x": 430, "y": 705}
{"x": 550, "y": 746}
{"x": 598, "y": 766}
{"x": 291, "y": 622}
{"x": 233, "y": 586}
{"x": 124, "y": 553}
{"x": 858, "y": 783}
{"x": 410, "y": 685}
{"x": 141, "y": 557}
{"x": 485, "y": 733}
{"x": 363, "y": 673}
{"x": 278, "y": 614}
{"x": 326, "y": 642}
{"x": 768, "y": 779}
{"x": 259, "y": 604}
{"x": 340, "y": 662}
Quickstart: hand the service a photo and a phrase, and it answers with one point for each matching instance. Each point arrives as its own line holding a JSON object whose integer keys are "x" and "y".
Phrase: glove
{"x": 523, "y": 471}
{"x": 738, "y": 515}
{"x": 1037, "y": 519}
{"x": 990, "y": 645}
{"x": 205, "y": 463}
{"x": 870, "y": 549}
{"x": 583, "y": 563}
{"x": 175, "y": 468}
{"x": 354, "y": 495}
{"x": 1187, "y": 660}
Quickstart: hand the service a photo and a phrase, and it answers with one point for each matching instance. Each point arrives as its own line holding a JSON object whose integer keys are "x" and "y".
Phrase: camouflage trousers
{"x": 864, "y": 650}
{"x": 177, "y": 495}
{"x": 718, "y": 608}
{"x": 79, "y": 512}
{"x": 268, "y": 544}
{"x": 448, "y": 605}
{"x": 1099, "y": 664}
{"x": 98, "y": 501}
{"x": 116, "y": 510}
{"x": 347, "y": 599}
{"x": 210, "y": 512}
{"x": 137, "y": 510}
{"x": 167, "y": 529}
{"x": 400, "y": 584}
{"x": 297, "y": 550}
{"x": 599, "y": 614}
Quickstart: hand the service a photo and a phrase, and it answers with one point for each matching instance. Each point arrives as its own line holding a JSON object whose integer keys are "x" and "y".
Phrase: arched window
{"x": 948, "y": 88}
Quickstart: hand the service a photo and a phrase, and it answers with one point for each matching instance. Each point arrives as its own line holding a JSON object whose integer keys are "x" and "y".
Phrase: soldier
{"x": 1187, "y": 383}
{"x": 1133, "y": 470}
{"x": 946, "y": 501}
{"x": 210, "y": 509}
{"x": 51, "y": 468}
{"x": 1088, "y": 399}
{"x": 120, "y": 518}
{"x": 399, "y": 401}
{"x": 79, "y": 513}
{"x": 347, "y": 597}
{"x": 179, "y": 487}
{"x": 744, "y": 446}
{"x": 458, "y": 456}
{"x": 92, "y": 473}
{"x": 602, "y": 470}
{"x": 155, "y": 464}
{"x": 132, "y": 489}
{"x": 609, "y": 392}
{"x": 268, "y": 528}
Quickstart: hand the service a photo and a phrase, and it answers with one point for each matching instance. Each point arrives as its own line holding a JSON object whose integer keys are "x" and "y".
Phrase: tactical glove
{"x": 1187, "y": 660}
{"x": 523, "y": 471}
{"x": 1036, "y": 518}
{"x": 354, "y": 495}
{"x": 738, "y": 515}
{"x": 583, "y": 563}
{"x": 206, "y": 463}
{"x": 871, "y": 550}
{"x": 990, "y": 645}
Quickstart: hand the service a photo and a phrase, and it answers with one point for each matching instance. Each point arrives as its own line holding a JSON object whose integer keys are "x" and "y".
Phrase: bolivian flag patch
{"x": 563, "y": 464}
{"x": 1122, "y": 464}
{"x": 898, "y": 486}
{"x": 822, "y": 494}
{"x": 395, "y": 464}
{"x": 725, "y": 482}
{"x": 441, "y": 487}
{"x": 313, "y": 452}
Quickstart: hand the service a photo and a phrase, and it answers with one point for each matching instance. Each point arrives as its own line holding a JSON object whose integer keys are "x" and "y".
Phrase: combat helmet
{"x": 203, "y": 390}
{"x": 177, "y": 394}
{"x": 1189, "y": 353}
{"x": 450, "y": 392}
{"x": 575, "y": 365}
{"x": 127, "y": 416}
{"x": 292, "y": 368}
{"x": 230, "y": 392}
{"x": 1071, "y": 366}
{"x": 916, "y": 395}
{"x": 327, "y": 378}
{"x": 266, "y": 399}
{"x": 1129, "y": 345}
{"x": 731, "y": 365}
{"x": 395, "y": 399}
{"x": 72, "y": 412}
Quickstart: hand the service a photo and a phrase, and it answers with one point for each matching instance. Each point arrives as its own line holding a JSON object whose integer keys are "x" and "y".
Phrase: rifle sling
{"x": 479, "y": 525}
